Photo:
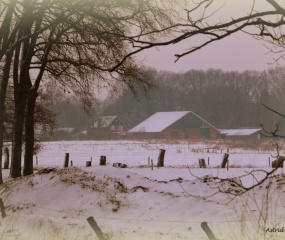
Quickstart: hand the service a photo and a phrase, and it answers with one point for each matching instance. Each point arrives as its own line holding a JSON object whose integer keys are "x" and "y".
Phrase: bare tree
{"x": 79, "y": 43}
{"x": 85, "y": 42}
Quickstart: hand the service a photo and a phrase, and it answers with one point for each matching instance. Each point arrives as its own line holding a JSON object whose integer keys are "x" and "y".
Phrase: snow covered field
{"x": 137, "y": 202}
{"x": 135, "y": 153}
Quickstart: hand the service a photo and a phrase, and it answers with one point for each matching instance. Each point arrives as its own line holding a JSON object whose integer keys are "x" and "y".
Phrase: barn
{"x": 107, "y": 127}
{"x": 175, "y": 125}
{"x": 241, "y": 133}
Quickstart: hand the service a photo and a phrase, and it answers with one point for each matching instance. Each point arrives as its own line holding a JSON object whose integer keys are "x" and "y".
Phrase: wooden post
{"x": 96, "y": 228}
{"x": 102, "y": 161}
{"x": 148, "y": 160}
{"x": 208, "y": 161}
{"x": 37, "y": 160}
{"x": 7, "y": 157}
{"x": 208, "y": 231}
{"x": 66, "y": 160}
{"x": 273, "y": 164}
{"x": 151, "y": 164}
{"x": 2, "y": 208}
{"x": 278, "y": 163}
{"x": 228, "y": 165}
{"x": 160, "y": 161}
{"x": 225, "y": 160}
{"x": 202, "y": 163}
{"x": 71, "y": 163}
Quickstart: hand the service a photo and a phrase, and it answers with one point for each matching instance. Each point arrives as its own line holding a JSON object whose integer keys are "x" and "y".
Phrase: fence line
{"x": 136, "y": 219}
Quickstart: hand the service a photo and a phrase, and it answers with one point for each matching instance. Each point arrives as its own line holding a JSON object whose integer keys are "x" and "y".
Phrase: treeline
{"x": 74, "y": 46}
{"x": 225, "y": 99}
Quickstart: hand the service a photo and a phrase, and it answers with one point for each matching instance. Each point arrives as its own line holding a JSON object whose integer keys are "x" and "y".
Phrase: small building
{"x": 107, "y": 127}
{"x": 175, "y": 125}
{"x": 241, "y": 133}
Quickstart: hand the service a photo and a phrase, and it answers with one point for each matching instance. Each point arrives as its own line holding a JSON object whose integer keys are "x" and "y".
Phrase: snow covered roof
{"x": 161, "y": 120}
{"x": 239, "y": 131}
{"x": 104, "y": 121}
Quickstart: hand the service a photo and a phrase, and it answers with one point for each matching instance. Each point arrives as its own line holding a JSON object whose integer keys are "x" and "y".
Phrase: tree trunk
{"x": 4, "y": 84}
{"x": 29, "y": 133}
{"x": 23, "y": 83}
{"x": 7, "y": 158}
{"x": 18, "y": 140}
{"x": 20, "y": 110}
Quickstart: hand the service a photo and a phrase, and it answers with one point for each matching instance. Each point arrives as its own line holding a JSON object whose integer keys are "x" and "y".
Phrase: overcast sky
{"x": 238, "y": 52}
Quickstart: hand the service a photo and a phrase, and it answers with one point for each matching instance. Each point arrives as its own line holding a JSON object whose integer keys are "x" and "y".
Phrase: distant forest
{"x": 225, "y": 99}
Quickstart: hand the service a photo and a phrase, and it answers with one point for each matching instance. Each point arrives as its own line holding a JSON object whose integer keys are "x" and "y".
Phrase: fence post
{"x": 66, "y": 160}
{"x": 2, "y": 208}
{"x": 96, "y": 228}
{"x": 225, "y": 160}
{"x": 208, "y": 231}
{"x": 202, "y": 163}
{"x": 102, "y": 161}
{"x": 278, "y": 163}
{"x": 160, "y": 162}
{"x": 228, "y": 164}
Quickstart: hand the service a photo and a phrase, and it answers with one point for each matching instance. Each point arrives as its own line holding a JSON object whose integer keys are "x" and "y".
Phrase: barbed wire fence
{"x": 94, "y": 225}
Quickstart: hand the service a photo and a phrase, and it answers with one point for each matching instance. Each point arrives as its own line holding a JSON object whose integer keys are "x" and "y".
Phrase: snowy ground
{"x": 139, "y": 202}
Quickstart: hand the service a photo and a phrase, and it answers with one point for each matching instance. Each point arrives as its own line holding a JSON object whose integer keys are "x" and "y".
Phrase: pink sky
{"x": 238, "y": 52}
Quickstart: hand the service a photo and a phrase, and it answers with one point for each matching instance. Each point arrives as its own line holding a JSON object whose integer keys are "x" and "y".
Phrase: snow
{"x": 139, "y": 202}
{"x": 159, "y": 121}
{"x": 239, "y": 131}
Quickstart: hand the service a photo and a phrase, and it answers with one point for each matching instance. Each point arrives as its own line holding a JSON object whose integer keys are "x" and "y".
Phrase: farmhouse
{"x": 241, "y": 133}
{"x": 107, "y": 127}
{"x": 175, "y": 125}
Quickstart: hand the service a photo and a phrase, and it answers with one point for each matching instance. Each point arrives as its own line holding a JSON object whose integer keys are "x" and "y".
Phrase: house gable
{"x": 159, "y": 121}
{"x": 185, "y": 124}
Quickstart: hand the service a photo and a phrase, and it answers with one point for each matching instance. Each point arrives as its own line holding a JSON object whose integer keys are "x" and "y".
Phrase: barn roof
{"x": 161, "y": 120}
{"x": 104, "y": 121}
{"x": 239, "y": 131}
